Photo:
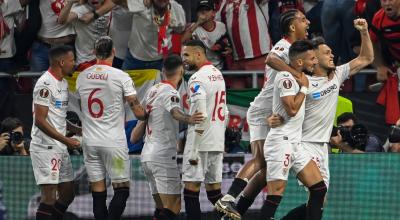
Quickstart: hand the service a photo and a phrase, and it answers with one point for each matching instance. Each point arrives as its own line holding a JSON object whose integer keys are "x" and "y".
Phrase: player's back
{"x": 161, "y": 129}
{"x": 209, "y": 83}
{"x": 290, "y": 130}
{"x": 264, "y": 99}
{"x": 102, "y": 89}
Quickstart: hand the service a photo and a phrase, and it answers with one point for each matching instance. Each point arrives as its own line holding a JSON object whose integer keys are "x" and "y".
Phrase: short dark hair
{"x": 103, "y": 47}
{"x": 317, "y": 41}
{"x": 59, "y": 51}
{"x": 196, "y": 43}
{"x": 299, "y": 47}
{"x": 9, "y": 124}
{"x": 345, "y": 117}
{"x": 171, "y": 63}
{"x": 286, "y": 20}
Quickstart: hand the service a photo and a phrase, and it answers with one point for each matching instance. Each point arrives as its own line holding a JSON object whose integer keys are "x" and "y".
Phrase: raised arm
{"x": 366, "y": 55}
{"x": 275, "y": 62}
{"x": 66, "y": 16}
{"x": 136, "y": 107}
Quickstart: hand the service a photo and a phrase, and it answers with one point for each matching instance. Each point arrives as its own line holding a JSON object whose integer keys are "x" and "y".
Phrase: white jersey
{"x": 209, "y": 38}
{"x": 9, "y": 10}
{"x": 102, "y": 90}
{"x": 208, "y": 85}
{"x": 120, "y": 30}
{"x": 320, "y": 107}
{"x": 87, "y": 34}
{"x": 50, "y": 10}
{"x": 290, "y": 130}
{"x": 161, "y": 129}
{"x": 143, "y": 40}
{"x": 51, "y": 92}
{"x": 264, "y": 99}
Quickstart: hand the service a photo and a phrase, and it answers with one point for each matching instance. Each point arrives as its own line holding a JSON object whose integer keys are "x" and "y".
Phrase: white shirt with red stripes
{"x": 247, "y": 26}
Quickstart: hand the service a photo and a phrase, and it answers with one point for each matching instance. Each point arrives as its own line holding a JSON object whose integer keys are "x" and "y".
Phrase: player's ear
{"x": 299, "y": 62}
{"x": 292, "y": 28}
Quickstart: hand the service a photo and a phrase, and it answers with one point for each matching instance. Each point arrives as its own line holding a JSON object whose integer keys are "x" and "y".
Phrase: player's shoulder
{"x": 284, "y": 75}
{"x": 46, "y": 80}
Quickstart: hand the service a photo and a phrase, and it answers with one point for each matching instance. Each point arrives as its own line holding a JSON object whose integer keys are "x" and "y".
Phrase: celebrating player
{"x": 202, "y": 159}
{"x": 50, "y": 158}
{"x": 103, "y": 90}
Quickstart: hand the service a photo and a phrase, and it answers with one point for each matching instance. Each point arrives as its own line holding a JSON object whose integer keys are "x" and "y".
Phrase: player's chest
{"x": 59, "y": 97}
{"x": 322, "y": 89}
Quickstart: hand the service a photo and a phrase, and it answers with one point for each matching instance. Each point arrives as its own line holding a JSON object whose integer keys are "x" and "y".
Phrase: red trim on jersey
{"x": 168, "y": 82}
{"x": 54, "y": 75}
{"x": 236, "y": 30}
{"x": 205, "y": 64}
{"x": 102, "y": 62}
{"x": 287, "y": 39}
{"x": 212, "y": 29}
{"x": 253, "y": 28}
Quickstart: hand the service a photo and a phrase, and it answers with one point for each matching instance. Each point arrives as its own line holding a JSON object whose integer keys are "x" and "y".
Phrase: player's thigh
{"x": 319, "y": 154}
{"x": 166, "y": 176}
{"x": 46, "y": 167}
{"x": 48, "y": 193}
{"x": 257, "y": 149}
{"x": 94, "y": 165}
{"x": 66, "y": 192}
{"x": 279, "y": 159}
{"x": 117, "y": 163}
{"x": 193, "y": 173}
{"x": 310, "y": 174}
{"x": 213, "y": 170}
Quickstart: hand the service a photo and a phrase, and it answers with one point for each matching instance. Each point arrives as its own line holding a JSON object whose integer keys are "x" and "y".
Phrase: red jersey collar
{"x": 54, "y": 75}
{"x": 287, "y": 39}
{"x": 205, "y": 64}
{"x": 212, "y": 29}
{"x": 168, "y": 82}
{"x": 102, "y": 62}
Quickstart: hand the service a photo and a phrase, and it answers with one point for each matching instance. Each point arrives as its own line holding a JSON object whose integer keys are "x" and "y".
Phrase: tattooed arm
{"x": 136, "y": 107}
{"x": 177, "y": 114}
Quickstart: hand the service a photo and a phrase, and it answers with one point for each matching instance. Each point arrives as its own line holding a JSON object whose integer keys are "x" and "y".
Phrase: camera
{"x": 233, "y": 135}
{"x": 221, "y": 44}
{"x": 356, "y": 136}
{"x": 394, "y": 134}
{"x": 16, "y": 137}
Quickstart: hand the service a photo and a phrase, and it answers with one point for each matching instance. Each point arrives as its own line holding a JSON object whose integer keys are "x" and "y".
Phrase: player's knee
{"x": 276, "y": 188}
{"x": 318, "y": 191}
{"x": 48, "y": 196}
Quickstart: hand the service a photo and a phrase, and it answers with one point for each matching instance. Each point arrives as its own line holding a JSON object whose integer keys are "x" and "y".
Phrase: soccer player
{"x": 103, "y": 91}
{"x": 159, "y": 152}
{"x": 321, "y": 102}
{"x": 203, "y": 154}
{"x": 282, "y": 149}
{"x": 294, "y": 26}
{"x": 50, "y": 159}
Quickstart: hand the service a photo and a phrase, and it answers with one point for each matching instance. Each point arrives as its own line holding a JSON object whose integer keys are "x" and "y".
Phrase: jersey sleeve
{"x": 282, "y": 52}
{"x": 198, "y": 98}
{"x": 286, "y": 86}
{"x": 171, "y": 99}
{"x": 343, "y": 72}
{"x": 128, "y": 86}
{"x": 136, "y": 6}
{"x": 42, "y": 95}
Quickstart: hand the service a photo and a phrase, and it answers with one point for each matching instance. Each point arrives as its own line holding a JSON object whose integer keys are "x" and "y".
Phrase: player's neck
{"x": 202, "y": 63}
{"x": 171, "y": 81}
{"x": 290, "y": 38}
{"x": 318, "y": 71}
{"x": 56, "y": 73}
{"x": 209, "y": 25}
{"x": 107, "y": 62}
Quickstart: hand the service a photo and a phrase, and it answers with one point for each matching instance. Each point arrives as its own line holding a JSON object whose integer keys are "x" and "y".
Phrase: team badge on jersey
{"x": 44, "y": 93}
{"x": 287, "y": 84}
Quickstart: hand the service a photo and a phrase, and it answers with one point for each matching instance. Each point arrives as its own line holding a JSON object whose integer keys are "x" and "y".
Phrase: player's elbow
{"x": 270, "y": 60}
{"x": 292, "y": 112}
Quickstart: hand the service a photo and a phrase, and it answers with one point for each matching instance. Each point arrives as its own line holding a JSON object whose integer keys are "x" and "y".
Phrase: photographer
{"x": 352, "y": 137}
{"x": 394, "y": 138}
{"x": 12, "y": 137}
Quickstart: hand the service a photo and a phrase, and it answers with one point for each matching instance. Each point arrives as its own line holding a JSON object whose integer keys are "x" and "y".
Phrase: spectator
{"x": 152, "y": 25}
{"x": 9, "y": 12}
{"x": 11, "y": 130}
{"x": 51, "y": 33}
{"x": 211, "y": 33}
{"x": 337, "y": 24}
{"x": 88, "y": 28}
{"x": 247, "y": 26}
{"x": 348, "y": 139}
{"x": 385, "y": 33}
{"x": 120, "y": 29}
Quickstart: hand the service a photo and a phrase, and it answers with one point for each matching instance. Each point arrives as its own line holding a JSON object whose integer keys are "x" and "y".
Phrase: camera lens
{"x": 16, "y": 137}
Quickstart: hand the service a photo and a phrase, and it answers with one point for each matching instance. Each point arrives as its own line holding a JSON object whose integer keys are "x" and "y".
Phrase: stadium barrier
{"x": 363, "y": 186}
{"x": 254, "y": 74}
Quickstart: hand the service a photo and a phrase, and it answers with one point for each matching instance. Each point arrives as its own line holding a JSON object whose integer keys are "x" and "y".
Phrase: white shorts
{"x": 283, "y": 156}
{"x": 163, "y": 178}
{"x": 52, "y": 167}
{"x": 208, "y": 169}
{"x": 111, "y": 160}
{"x": 319, "y": 154}
{"x": 258, "y": 127}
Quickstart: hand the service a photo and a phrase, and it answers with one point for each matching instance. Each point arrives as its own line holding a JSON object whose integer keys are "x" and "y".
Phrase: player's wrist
{"x": 303, "y": 90}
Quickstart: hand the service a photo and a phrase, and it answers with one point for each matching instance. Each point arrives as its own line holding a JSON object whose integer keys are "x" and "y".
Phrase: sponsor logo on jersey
{"x": 174, "y": 99}
{"x": 314, "y": 84}
{"x": 195, "y": 88}
{"x": 44, "y": 93}
{"x": 60, "y": 104}
{"x": 318, "y": 95}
